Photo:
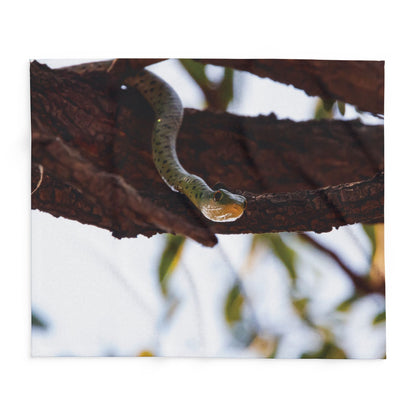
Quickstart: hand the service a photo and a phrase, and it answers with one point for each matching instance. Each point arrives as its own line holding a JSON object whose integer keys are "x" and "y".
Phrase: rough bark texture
{"x": 279, "y": 164}
{"x": 116, "y": 202}
{"x": 356, "y": 82}
{"x": 360, "y": 83}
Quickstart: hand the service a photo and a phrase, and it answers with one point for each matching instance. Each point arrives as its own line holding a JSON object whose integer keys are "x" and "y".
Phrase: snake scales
{"x": 217, "y": 205}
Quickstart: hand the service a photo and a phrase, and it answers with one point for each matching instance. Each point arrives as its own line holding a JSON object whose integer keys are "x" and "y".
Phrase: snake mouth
{"x": 224, "y": 213}
{"x": 234, "y": 211}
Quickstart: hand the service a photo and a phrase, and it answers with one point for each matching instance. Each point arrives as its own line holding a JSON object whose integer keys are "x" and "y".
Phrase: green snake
{"x": 217, "y": 205}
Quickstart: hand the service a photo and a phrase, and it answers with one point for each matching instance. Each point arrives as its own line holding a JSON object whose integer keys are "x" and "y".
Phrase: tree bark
{"x": 297, "y": 176}
{"x": 360, "y": 83}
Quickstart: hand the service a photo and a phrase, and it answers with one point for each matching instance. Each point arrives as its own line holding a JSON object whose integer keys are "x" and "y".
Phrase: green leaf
{"x": 283, "y": 252}
{"x": 301, "y": 305}
{"x": 328, "y": 104}
{"x": 324, "y": 109}
{"x": 225, "y": 89}
{"x": 379, "y": 318}
{"x": 278, "y": 247}
{"x": 38, "y": 322}
{"x": 169, "y": 260}
{"x": 197, "y": 71}
{"x": 234, "y": 305}
{"x": 371, "y": 234}
{"x": 341, "y": 107}
{"x": 328, "y": 350}
{"x": 345, "y": 306}
{"x": 218, "y": 95}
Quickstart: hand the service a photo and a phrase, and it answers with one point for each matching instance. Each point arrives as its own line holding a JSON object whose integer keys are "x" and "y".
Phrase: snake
{"x": 219, "y": 205}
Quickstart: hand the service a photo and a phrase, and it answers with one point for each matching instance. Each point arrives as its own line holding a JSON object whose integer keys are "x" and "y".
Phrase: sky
{"x": 100, "y": 295}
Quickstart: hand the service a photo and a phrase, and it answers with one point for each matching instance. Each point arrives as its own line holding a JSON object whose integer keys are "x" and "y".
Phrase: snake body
{"x": 217, "y": 205}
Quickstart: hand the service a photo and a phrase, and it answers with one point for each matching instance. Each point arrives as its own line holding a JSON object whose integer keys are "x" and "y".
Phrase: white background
{"x": 356, "y": 30}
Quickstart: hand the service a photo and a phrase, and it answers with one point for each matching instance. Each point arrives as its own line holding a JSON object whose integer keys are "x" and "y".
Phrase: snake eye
{"x": 217, "y": 196}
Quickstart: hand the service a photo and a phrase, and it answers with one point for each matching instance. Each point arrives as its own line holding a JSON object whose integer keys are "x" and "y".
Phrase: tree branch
{"x": 113, "y": 199}
{"x": 360, "y": 83}
{"x": 361, "y": 283}
{"x": 281, "y": 165}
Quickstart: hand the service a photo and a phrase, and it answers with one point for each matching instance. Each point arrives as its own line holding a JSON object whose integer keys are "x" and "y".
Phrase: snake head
{"x": 223, "y": 206}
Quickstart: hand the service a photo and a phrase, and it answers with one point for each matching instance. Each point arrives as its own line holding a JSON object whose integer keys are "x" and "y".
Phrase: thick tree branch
{"x": 110, "y": 128}
{"x": 113, "y": 127}
{"x": 113, "y": 199}
{"x": 316, "y": 210}
{"x": 360, "y": 83}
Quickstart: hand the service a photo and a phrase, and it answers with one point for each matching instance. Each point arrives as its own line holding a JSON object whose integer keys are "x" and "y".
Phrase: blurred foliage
{"x": 375, "y": 234}
{"x": 345, "y": 306}
{"x": 341, "y": 107}
{"x": 238, "y": 311}
{"x": 38, "y": 322}
{"x": 371, "y": 234}
{"x": 325, "y": 108}
{"x": 328, "y": 350}
{"x": 197, "y": 72}
{"x": 328, "y": 104}
{"x": 377, "y": 271}
{"x": 300, "y": 306}
{"x": 265, "y": 345}
{"x": 145, "y": 353}
{"x": 287, "y": 256}
{"x": 278, "y": 247}
{"x": 380, "y": 318}
{"x": 217, "y": 94}
{"x": 169, "y": 259}
{"x": 225, "y": 89}
{"x": 172, "y": 306}
{"x": 244, "y": 327}
{"x": 234, "y": 305}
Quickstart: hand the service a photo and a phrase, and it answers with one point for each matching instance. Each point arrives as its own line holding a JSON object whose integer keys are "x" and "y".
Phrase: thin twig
{"x": 360, "y": 282}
